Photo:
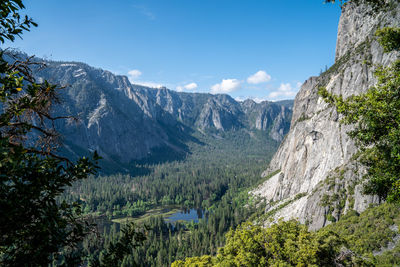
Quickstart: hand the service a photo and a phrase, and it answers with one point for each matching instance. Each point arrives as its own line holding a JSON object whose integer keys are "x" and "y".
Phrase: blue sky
{"x": 260, "y": 49}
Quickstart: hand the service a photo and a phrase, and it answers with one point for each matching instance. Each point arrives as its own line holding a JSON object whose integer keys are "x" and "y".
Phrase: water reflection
{"x": 187, "y": 215}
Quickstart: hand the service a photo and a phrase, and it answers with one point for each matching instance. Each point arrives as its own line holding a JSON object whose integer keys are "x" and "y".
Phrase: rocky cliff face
{"x": 126, "y": 122}
{"x": 268, "y": 116}
{"x": 314, "y": 177}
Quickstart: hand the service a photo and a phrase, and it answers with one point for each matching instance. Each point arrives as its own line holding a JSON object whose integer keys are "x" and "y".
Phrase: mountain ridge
{"x": 126, "y": 123}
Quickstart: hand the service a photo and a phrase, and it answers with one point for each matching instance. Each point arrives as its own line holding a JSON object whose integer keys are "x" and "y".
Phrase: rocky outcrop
{"x": 315, "y": 161}
{"x": 269, "y": 116}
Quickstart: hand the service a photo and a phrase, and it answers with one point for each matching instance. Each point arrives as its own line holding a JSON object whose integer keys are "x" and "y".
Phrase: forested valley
{"x": 330, "y": 196}
{"x": 214, "y": 179}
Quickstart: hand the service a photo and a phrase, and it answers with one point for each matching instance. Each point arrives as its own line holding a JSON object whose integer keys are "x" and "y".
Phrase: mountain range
{"x": 126, "y": 123}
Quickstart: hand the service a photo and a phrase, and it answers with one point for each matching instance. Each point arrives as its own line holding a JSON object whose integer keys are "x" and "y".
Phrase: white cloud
{"x": 191, "y": 86}
{"x": 134, "y": 74}
{"x": 254, "y": 98}
{"x": 226, "y": 86}
{"x": 259, "y": 99}
{"x": 259, "y": 77}
{"x": 285, "y": 90}
{"x": 150, "y": 84}
{"x": 240, "y": 98}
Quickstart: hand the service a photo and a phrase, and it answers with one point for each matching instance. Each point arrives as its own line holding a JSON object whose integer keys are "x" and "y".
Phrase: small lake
{"x": 186, "y": 215}
{"x": 170, "y": 214}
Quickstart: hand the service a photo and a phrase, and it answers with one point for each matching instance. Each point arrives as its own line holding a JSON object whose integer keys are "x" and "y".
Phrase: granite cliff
{"x": 313, "y": 176}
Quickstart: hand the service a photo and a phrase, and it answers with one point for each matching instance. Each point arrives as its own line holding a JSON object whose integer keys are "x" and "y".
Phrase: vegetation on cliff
{"x": 376, "y": 117}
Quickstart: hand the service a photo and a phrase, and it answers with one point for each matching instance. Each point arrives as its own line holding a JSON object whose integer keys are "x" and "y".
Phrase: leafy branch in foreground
{"x": 32, "y": 175}
{"x": 131, "y": 237}
{"x": 11, "y": 22}
{"x": 376, "y": 118}
{"x": 34, "y": 227}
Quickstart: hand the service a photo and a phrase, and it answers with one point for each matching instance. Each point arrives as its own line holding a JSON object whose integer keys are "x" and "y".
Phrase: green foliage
{"x": 389, "y": 257}
{"x": 34, "y": 227}
{"x": 338, "y": 192}
{"x": 130, "y": 238}
{"x": 269, "y": 176}
{"x": 229, "y": 164}
{"x": 370, "y": 230}
{"x": 167, "y": 242}
{"x": 202, "y": 261}
{"x": 351, "y": 241}
{"x": 376, "y": 115}
{"x": 11, "y": 22}
{"x": 376, "y": 118}
{"x": 214, "y": 178}
{"x": 303, "y": 117}
{"x": 273, "y": 211}
{"x": 282, "y": 244}
{"x": 389, "y": 38}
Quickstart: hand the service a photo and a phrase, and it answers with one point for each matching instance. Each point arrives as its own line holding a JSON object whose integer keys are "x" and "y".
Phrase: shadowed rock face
{"x": 126, "y": 122}
{"x": 315, "y": 159}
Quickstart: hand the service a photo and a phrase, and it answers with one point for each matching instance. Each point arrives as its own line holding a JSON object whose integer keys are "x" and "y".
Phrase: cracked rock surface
{"x": 317, "y": 147}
